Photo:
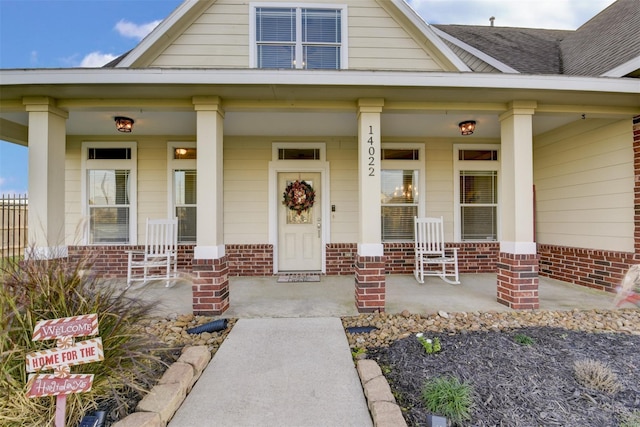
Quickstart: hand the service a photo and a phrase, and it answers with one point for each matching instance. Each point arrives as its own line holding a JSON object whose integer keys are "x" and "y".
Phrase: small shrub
{"x": 448, "y": 397}
{"x": 430, "y": 346}
{"x": 523, "y": 339}
{"x": 596, "y": 375}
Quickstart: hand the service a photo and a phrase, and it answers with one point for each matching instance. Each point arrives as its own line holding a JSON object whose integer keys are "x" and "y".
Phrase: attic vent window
{"x": 299, "y": 154}
{"x": 490, "y": 155}
{"x": 109, "y": 153}
{"x": 300, "y": 38}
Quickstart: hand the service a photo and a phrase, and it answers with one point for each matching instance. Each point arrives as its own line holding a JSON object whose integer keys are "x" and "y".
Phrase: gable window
{"x": 183, "y": 179}
{"x": 296, "y": 37}
{"x": 401, "y": 174}
{"x": 109, "y": 189}
{"x": 477, "y": 193}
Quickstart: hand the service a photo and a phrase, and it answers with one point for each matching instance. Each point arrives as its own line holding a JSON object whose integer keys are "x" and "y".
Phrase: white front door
{"x": 299, "y": 233}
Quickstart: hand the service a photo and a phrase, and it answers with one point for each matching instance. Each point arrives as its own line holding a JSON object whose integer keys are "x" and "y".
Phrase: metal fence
{"x": 13, "y": 225}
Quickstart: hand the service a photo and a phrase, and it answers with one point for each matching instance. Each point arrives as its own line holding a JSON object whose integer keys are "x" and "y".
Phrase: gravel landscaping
{"x": 514, "y": 384}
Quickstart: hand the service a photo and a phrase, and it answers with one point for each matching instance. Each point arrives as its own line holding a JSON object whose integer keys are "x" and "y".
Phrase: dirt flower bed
{"x": 520, "y": 365}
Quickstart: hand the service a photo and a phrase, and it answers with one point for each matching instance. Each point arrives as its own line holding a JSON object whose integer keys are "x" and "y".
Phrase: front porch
{"x": 333, "y": 296}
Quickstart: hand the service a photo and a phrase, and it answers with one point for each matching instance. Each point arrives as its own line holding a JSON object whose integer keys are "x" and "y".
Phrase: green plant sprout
{"x": 430, "y": 346}
{"x": 523, "y": 339}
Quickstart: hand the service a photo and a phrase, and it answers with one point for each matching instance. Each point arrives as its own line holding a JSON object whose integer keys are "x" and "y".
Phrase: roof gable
{"x": 382, "y": 34}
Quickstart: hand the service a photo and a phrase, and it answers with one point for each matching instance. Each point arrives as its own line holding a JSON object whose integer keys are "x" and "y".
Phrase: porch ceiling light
{"x": 124, "y": 124}
{"x": 467, "y": 127}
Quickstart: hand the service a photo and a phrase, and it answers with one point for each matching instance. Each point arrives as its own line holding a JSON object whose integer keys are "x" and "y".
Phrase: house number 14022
{"x": 372, "y": 152}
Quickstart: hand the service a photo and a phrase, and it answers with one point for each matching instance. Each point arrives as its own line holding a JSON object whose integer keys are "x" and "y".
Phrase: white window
{"x": 183, "y": 182}
{"x": 402, "y": 174}
{"x": 476, "y": 192}
{"x": 285, "y": 35}
{"x": 109, "y": 192}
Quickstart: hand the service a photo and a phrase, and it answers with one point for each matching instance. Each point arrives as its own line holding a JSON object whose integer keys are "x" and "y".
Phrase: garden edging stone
{"x": 164, "y": 399}
{"x": 384, "y": 410}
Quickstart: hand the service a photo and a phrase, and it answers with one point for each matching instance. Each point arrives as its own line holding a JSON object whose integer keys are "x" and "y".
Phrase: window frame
{"x": 406, "y": 164}
{"x": 253, "y": 45}
{"x": 179, "y": 164}
{"x": 110, "y": 164}
{"x": 473, "y": 165}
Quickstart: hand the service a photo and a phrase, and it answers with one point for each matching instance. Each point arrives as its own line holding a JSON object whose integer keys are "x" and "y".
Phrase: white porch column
{"x": 369, "y": 180}
{"x": 209, "y": 129}
{"x": 210, "y": 266}
{"x": 47, "y": 146}
{"x": 518, "y": 262}
{"x": 370, "y": 280}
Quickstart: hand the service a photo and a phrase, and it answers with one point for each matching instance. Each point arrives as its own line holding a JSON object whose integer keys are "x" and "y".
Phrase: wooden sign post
{"x": 60, "y": 359}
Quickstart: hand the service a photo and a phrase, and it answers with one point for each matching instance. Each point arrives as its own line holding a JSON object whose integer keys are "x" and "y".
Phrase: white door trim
{"x": 275, "y": 199}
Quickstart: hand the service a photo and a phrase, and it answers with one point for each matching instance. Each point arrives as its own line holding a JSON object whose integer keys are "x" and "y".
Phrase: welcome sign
{"x": 66, "y": 354}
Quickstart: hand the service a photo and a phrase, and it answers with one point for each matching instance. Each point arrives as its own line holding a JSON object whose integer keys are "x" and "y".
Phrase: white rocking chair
{"x": 430, "y": 250}
{"x": 159, "y": 259}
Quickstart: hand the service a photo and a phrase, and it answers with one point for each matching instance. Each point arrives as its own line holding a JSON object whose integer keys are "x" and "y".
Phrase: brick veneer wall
{"x": 250, "y": 260}
{"x": 341, "y": 258}
{"x": 257, "y": 259}
{"x": 111, "y": 261}
{"x": 602, "y": 270}
{"x": 472, "y": 257}
{"x": 636, "y": 186}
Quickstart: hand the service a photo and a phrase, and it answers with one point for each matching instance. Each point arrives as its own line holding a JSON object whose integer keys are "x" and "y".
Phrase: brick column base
{"x": 370, "y": 283}
{"x": 518, "y": 281}
{"x": 210, "y": 286}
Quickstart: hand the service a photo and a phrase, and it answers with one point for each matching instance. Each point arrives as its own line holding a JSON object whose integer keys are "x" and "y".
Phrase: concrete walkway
{"x": 295, "y": 372}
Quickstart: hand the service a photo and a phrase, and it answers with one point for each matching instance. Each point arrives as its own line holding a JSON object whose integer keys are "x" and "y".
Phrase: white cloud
{"x": 96, "y": 59}
{"x": 135, "y": 31}
{"x": 555, "y": 14}
{"x": 33, "y": 58}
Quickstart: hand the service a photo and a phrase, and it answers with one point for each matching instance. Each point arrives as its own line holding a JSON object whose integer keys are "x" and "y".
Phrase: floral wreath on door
{"x": 299, "y": 196}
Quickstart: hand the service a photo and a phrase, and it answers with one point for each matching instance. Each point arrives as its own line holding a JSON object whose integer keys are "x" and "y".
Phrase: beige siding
{"x": 246, "y": 190}
{"x": 219, "y": 38}
{"x": 73, "y": 221}
{"x": 152, "y": 182}
{"x": 343, "y": 159}
{"x": 439, "y": 191}
{"x": 378, "y": 41}
{"x": 584, "y": 185}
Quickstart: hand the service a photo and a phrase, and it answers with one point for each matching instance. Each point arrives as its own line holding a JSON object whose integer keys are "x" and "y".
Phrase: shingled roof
{"x": 527, "y": 50}
{"x": 608, "y": 40}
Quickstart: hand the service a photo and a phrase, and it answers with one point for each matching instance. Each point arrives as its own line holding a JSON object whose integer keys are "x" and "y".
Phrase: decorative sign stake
{"x": 60, "y": 359}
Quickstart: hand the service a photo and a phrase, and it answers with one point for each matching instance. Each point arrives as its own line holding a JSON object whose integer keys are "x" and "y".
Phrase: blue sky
{"x": 89, "y": 33}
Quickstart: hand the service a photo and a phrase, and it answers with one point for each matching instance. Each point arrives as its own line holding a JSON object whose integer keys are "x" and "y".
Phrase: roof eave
{"x": 624, "y": 69}
{"x": 106, "y": 76}
{"x": 501, "y": 66}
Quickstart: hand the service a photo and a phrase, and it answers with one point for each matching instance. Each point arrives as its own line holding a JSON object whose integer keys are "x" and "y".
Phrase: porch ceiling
{"x": 420, "y": 105}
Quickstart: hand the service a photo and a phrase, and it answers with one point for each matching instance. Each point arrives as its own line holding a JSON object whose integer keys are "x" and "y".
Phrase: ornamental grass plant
{"x": 449, "y": 397}
{"x": 51, "y": 289}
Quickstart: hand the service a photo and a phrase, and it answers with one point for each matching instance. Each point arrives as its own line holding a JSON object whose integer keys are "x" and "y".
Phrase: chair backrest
{"x": 429, "y": 235}
{"x": 162, "y": 236}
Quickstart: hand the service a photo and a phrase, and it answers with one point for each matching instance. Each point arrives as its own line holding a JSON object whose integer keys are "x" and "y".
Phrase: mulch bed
{"x": 516, "y": 384}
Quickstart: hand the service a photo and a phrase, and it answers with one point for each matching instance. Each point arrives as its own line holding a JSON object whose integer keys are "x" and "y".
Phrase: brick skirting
{"x": 602, "y": 270}
{"x": 370, "y": 284}
{"x": 518, "y": 281}
{"x": 250, "y": 260}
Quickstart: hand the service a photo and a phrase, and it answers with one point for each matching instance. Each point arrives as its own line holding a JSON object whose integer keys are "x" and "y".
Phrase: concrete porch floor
{"x": 333, "y": 296}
